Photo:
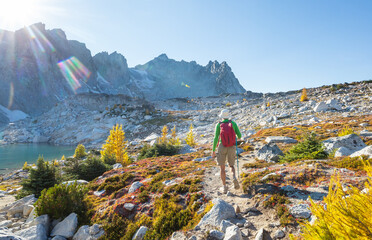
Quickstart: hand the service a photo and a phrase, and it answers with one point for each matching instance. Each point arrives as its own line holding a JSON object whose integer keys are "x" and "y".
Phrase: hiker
{"x": 225, "y": 139}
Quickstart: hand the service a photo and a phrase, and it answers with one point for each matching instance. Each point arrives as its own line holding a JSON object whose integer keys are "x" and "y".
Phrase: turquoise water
{"x": 13, "y": 156}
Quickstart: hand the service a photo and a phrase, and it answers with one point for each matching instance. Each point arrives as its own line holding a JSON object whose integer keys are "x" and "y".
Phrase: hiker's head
{"x": 225, "y": 114}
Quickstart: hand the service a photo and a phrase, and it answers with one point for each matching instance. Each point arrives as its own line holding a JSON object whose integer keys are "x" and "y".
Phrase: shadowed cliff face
{"x": 40, "y": 67}
{"x": 31, "y": 79}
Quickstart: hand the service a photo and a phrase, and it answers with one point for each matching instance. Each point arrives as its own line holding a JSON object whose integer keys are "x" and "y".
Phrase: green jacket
{"x": 218, "y": 129}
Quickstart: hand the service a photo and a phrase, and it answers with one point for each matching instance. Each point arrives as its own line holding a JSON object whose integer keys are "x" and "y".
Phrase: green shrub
{"x": 43, "y": 177}
{"x": 115, "y": 183}
{"x": 143, "y": 196}
{"x": 109, "y": 159}
{"x": 309, "y": 148}
{"x": 168, "y": 218}
{"x": 115, "y": 227}
{"x": 159, "y": 149}
{"x": 352, "y": 163}
{"x": 80, "y": 151}
{"x": 61, "y": 200}
{"x": 92, "y": 168}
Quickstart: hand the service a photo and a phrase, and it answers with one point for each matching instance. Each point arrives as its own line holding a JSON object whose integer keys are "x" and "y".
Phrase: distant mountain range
{"x": 40, "y": 67}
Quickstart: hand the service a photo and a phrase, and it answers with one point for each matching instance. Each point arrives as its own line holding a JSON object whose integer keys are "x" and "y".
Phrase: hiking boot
{"x": 236, "y": 184}
{"x": 225, "y": 189}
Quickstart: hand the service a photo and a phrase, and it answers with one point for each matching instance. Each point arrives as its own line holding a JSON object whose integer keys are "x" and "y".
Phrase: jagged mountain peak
{"x": 50, "y": 67}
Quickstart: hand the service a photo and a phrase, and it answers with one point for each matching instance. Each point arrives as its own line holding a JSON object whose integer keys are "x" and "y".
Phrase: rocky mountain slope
{"x": 274, "y": 197}
{"x": 40, "y": 67}
{"x": 87, "y": 118}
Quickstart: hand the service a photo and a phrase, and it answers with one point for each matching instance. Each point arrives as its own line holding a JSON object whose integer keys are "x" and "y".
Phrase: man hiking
{"x": 225, "y": 138}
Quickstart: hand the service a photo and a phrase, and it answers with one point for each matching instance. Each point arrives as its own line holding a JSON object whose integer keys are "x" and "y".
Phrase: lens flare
{"x": 185, "y": 85}
{"x": 11, "y": 95}
{"x": 74, "y": 72}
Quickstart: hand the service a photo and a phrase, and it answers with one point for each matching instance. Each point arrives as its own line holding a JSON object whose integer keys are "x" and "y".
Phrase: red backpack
{"x": 227, "y": 134}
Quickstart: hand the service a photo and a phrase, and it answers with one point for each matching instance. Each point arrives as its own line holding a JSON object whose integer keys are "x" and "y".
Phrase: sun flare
{"x": 18, "y": 12}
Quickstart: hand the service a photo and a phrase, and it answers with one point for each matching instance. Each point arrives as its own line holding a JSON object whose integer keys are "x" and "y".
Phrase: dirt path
{"x": 265, "y": 219}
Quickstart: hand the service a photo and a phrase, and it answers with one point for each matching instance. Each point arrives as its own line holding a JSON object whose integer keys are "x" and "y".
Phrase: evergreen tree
{"x": 309, "y": 148}
{"x": 43, "y": 177}
{"x": 116, "y": 146}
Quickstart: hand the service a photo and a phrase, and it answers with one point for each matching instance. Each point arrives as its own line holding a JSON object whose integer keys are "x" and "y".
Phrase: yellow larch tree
{"x": 347, "y": 214}
{"x": 190, "y": 140}
{"x": 164, "y": 132}
{"x": 174, "y": 140}
{"x": 116, "y": 146}
{"x": 304, "y": 95}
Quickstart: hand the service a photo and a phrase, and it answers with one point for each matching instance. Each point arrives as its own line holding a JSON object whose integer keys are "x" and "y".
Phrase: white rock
{"x": 280, "y": 139}
{"x": 67, "y": 227}
{"x": 134, "y": 187}
{"x": 6, "y": 234}
{"x": 99, "y": 193}
{"x": 268, "y": 175}
{"x": 58, "y": 238}
{"x": 37, "y": 232}
{"x": 215, "y": 234}
{"x": 288, "y": 188}
{"x": 82, "y": 233}
{"x": 88, "y": 233}
{"x": 221, "y": 210}
{"x": 129, "y": 206}
{"x": 334, "y": 104}
{"x": 151, "y": 137}
{"x": 5, "y": 223}
{"x": 343, "y": 151}
{"x": 225, "y": 224}
{"x": 300, "y": 211}
{"x": 321, "y": 107}
{"x": 279, "y": 234}
{"x": 233, "y": 233}
{"x": 94, "y": 229}
{"x": 117, "y": 165}
{"x": 352, "y": 142}
{"x": 27, "y": 209}
{"x": 269, "y": 152}
{"x": 78, "y": 182}
{"x": 262, "y": 234}
{"x": 139, "y": 235}
{"x": 43, "y": 220}
{"x": 365, "y": 133}
{"x": 31, "y": 216}
{"x": 178, "y": 236}
{"x": 367, "y": 151}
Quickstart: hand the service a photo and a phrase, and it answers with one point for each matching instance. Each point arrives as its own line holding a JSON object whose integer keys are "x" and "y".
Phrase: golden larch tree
{"x": 116, "y": 146}
{"x": 164, "y": 133}
{"x": 304, "y": 95}
{"x": 190, "y": 140}
{"x": 174, "y": 140}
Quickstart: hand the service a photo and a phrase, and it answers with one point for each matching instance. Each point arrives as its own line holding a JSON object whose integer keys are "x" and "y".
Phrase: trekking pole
{"x": 237, "y": 157}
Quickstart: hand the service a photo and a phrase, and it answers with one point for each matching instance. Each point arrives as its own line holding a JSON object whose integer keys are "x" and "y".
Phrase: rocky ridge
{"x": 45, "y": 68}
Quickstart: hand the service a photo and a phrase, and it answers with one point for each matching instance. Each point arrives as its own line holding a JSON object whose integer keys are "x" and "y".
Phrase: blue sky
{"x": 270, "y": 45}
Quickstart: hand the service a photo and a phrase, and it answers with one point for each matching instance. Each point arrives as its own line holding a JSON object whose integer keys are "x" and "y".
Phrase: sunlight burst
{"x": 14, "y": 12}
